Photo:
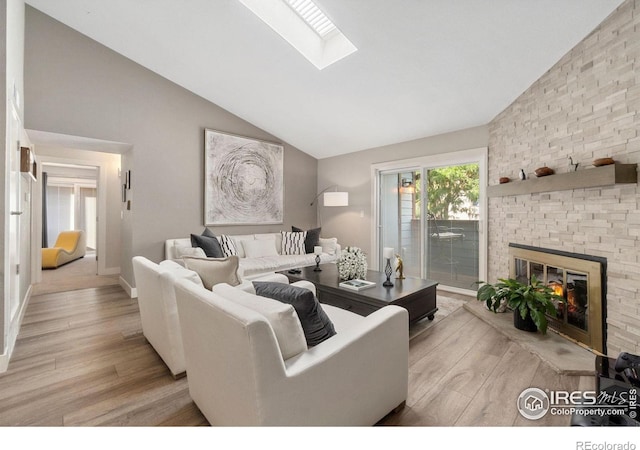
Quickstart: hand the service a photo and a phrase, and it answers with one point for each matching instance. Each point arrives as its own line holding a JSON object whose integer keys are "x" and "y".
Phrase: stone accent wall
{"x": 587, "y": 106}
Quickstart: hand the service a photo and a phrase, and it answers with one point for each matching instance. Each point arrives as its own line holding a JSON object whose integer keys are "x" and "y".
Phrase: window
{"x": 305, "y": 27}
{"x": 311, "y": 14}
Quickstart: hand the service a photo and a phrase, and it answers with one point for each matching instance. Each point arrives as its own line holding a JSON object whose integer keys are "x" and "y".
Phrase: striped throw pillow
{"x": 293, "y": 242}
{"x": 227, "y": 245}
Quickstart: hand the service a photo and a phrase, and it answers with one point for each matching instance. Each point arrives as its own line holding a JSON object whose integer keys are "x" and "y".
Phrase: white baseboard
{"x": 131, "y": 291}
{"x": 14, "y": 329}
{"x": 4, "y": 362}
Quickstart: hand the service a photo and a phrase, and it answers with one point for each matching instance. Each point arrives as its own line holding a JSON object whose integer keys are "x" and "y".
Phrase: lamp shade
{"x": 336, "y": 199}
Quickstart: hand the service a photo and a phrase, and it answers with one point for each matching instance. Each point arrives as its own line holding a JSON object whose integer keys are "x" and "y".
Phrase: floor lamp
{"x": 335, "y": 198}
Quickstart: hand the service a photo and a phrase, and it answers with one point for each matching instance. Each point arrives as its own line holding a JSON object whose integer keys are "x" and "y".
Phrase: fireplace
{"x": 579, "y": 279}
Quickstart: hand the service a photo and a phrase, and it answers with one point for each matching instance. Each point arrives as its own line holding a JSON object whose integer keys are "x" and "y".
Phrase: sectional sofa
{"x": 256, "y": 260}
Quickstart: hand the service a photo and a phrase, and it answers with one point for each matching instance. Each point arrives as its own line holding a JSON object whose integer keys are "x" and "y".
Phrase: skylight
{"x": 305, "y": 27}
{"x": 311, "y": 14}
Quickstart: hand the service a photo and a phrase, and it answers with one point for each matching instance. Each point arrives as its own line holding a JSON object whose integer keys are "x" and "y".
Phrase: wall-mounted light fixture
{"x": 406, "y": 186}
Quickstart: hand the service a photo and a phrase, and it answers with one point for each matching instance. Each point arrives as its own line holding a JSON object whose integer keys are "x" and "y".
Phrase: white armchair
{"x": 158, "y": 310}
{"x": 237, "y": 375}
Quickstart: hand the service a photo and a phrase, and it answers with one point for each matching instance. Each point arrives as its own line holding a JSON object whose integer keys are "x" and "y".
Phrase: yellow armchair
{"x": 70, "y": 245}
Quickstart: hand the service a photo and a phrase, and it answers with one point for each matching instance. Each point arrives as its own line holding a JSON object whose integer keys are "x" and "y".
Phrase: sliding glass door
{"x": 452, "y": 225}
{"x": 431, "y": 214}
{"x": 400, "y": 226}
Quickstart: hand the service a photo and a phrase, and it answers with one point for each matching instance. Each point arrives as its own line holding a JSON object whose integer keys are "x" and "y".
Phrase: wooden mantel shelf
{"x": 581, "y": 179}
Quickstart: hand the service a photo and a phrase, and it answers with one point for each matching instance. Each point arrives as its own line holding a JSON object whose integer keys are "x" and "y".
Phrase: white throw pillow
{"x": 180, "y": 272}
{"x": 213, "y": 271}
{"x": 281, "y": 316}
{"x": 238, "y": 239}
{"x": 258, "y": 249}
{"x": 277, "y": 237}
{"x": 183, "y": 250}
{"x": 227, "y": 245}
{"x": 329, "y": 245}
{"x": 293, "y": 242}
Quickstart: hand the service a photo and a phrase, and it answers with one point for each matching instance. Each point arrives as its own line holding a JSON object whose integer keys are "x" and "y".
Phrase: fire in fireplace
{"x": 579, "y": 279}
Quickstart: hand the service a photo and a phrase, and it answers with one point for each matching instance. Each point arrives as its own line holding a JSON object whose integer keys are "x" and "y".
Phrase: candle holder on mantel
{"x": 387, "y": 253}
{"x": 317, "y": 250}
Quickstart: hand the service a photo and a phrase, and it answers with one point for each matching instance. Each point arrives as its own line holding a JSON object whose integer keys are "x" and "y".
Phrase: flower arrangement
{"x": 352, "y": 264}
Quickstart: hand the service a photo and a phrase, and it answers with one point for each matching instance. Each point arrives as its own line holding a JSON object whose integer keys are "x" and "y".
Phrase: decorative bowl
{"x": 603, "y": 162}
{"x": 544, "y": 171}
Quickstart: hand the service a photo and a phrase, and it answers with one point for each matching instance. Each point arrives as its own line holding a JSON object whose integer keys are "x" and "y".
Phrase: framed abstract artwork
{"x": 244, "y": 180}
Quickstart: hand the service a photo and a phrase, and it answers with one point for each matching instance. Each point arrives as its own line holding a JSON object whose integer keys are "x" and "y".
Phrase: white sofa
{"x": 158, "y": 311}
{"x": 255, "y": 266}
{"x": 238, "y": 376}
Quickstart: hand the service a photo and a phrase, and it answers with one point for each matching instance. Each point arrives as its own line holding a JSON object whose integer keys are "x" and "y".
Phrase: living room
{"x": 583, "y": 106}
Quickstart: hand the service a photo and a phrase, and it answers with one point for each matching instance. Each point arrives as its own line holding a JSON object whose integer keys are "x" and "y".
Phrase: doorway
{"x": 69, "y": 201}
{"x": 105, "y": 159}
{"x": 431, "y": 211}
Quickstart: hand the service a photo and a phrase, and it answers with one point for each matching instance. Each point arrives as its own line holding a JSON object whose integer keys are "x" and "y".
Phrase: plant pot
{"x": 523, "y": 324}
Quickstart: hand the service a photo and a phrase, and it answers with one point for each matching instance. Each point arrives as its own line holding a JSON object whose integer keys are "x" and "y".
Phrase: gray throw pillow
{"x": 312, "y": 239}
{"x": 210, "y": 245}
{"x": 315, "y": 323}
{"x": 208, "y": 233}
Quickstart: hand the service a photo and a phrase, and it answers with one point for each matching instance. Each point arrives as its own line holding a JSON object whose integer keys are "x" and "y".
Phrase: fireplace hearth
{"x": 579, "y": 279}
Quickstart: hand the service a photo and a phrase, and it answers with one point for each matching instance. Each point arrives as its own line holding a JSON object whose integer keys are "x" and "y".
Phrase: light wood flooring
{"x": 81, "y": 360}
{"x": 78, "y": 274}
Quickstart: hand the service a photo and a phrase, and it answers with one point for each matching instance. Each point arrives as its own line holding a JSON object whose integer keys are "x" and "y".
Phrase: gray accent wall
{"x": 353, "y": 224}
{"x": 76, "y": 86}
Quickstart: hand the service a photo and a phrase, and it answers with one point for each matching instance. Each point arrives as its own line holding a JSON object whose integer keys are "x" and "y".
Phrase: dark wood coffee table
{"x": 418, "y": 296}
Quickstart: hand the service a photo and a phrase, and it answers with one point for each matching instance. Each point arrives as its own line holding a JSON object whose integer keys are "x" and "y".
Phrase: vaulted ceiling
{"x": 423, "y": 67}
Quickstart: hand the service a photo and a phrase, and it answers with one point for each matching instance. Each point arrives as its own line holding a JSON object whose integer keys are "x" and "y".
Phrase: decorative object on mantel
{"x": 573, "y": 166}
{"x": 544, "y": 171}
{"x": 504, "y": 180}
{"x": 531, "y": 302}
{"x": 603, "y": 162}
{"x": 352, "y": 264}
{"x": 387, "y": 253}
{"x": 522, "y": 175}
{"x": 399, "y": 268}
{"x": 604, "y": 176}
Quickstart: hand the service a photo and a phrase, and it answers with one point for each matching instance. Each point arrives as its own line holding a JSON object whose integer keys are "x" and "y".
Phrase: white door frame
{"x": 102, "y": 211}
{"x": 440, "y": 160}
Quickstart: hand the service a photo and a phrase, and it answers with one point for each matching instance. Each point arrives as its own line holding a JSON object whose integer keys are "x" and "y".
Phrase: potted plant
{"x": 530, "y": 302}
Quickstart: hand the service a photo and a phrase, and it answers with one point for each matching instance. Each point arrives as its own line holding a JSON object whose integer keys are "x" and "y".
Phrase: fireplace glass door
{"x": 577, "y": 281}
{"x": 569, "y": 284}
